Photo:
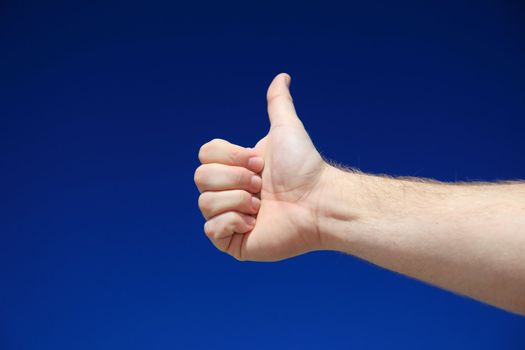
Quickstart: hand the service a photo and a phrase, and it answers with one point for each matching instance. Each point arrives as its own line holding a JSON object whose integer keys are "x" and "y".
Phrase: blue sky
{"x": 103, "y": 108}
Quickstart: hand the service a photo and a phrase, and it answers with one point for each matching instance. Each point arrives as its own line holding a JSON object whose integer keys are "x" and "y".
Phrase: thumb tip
{"x": 284, "y": 77}
{"x": 280, "y": 104}
{"x": 287, "y": 79}
{"x": 279, "y": 85}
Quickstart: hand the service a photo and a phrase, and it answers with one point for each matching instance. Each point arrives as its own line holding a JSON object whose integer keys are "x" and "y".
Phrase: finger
{"x": 215, "y": 203}
{"x": 281, "y": 109}
{"x": 223, "y": 152}
{"x": 220, "y": 177}
{"x": 221, "y": 228}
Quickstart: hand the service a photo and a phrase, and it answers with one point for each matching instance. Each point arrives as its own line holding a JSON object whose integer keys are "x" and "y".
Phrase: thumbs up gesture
{"x": 262, "y": 203}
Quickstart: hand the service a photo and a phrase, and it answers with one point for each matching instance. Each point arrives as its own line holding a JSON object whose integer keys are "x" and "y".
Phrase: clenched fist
{"x": 261, "y": 203}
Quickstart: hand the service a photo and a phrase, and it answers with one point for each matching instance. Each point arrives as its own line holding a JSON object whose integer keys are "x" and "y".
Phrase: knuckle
{"x": 202, "y": 152}
{"x": 200, "y": 175}
{"x": 216, "y": 142}
{"x": 205, "y": 203}
{"x": 209, "y": 229}
{"x": 207, "y": 147}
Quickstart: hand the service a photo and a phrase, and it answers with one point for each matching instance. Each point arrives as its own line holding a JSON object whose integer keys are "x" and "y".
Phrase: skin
{"x": 280, "y": 199}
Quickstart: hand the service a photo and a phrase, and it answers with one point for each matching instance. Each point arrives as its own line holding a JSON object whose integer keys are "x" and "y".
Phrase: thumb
{"x": 280, "y": 104}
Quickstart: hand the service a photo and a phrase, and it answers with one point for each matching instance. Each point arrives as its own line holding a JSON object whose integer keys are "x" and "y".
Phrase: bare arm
{"x": 280, "y": 199}
{"x": 468, "y": 238}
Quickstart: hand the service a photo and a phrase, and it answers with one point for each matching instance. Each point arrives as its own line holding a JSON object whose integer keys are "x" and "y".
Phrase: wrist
{"x": 356, "y": 208}
{"x": 341, "y": 206}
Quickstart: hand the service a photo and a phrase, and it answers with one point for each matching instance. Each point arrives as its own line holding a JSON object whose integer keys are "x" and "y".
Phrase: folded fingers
{"x": 215, "y": 203}
{"x": 220, "y": 177}
{"x": 221, "y": 228}
{"x": 224, "y": 152}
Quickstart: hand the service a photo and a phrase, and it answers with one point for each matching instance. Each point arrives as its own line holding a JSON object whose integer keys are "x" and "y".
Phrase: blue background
{"x": 103, "y": 107}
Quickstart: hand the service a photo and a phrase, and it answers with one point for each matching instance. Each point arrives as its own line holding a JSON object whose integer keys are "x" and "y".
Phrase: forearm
{"x": 466, "y": 238}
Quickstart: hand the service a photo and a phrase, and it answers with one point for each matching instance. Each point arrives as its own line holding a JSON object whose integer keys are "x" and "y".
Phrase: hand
{"x": 280, "y": 199}
{"x": 272, "y": 216}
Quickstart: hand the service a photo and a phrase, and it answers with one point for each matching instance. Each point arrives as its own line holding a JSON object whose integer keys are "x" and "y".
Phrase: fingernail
{"x": 256, "y": 203}
{"x": 256, "y": 181}
{"x": 255, "y": 163}
{"x": 287, "y": 80}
